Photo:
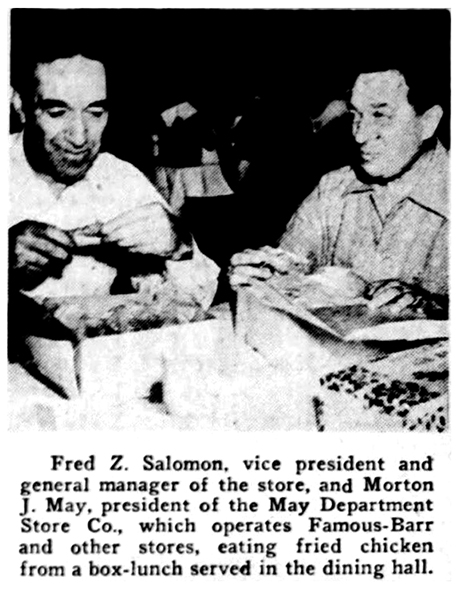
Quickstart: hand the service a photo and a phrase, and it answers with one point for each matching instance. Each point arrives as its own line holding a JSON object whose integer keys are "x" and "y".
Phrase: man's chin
{"x": 71, "y": 173}
{"x": 375, "y": 171}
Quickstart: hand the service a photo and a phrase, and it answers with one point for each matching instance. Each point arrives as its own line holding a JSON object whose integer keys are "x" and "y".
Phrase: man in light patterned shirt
{"x": 387, "y": 218}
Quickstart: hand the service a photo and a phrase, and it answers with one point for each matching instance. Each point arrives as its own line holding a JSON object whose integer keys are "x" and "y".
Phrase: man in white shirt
{"x": 68, "y": 199}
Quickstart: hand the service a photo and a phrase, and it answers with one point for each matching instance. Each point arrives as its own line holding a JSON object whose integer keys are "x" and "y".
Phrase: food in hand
{"x": 89, "y": 235}
{"x": 329, "y": 286}
{"x": 343, "y": 281}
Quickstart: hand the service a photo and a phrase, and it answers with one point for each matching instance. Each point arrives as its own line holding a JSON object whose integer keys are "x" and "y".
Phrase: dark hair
{"x": 427, "y": 87}
{"x": 49, "y": 40}
{"x": 427, "y": 76}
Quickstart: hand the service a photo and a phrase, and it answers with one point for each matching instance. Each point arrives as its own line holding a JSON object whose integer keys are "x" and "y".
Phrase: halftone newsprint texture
{"x": 234, "y": 219}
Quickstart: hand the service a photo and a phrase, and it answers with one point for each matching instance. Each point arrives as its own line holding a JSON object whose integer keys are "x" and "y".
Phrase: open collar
{"x": 29, "y": 175}
{"x": 426, "y": 183}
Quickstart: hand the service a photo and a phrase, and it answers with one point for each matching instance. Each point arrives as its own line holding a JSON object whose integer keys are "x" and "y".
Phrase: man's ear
{"x": 17, "y": 105}
{"x": 430, "y": 121}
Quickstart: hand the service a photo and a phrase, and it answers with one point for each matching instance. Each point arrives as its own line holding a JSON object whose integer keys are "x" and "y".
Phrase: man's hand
{"x": 251, "y": 266}
{"x": 37, "y": 251}
{"x": 147, "y": 229}
{"x": 396, "y": 297}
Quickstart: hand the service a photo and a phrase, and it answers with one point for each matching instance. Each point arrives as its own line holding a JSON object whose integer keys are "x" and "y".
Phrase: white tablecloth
{"x": 214, "y": 383}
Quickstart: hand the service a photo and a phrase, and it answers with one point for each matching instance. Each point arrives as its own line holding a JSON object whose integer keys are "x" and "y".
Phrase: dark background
{"x": 300, "y": 59}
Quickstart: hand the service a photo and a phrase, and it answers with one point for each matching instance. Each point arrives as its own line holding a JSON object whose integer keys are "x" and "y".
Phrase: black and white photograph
{"x": 230, "y": 287}
{"x": 229, "y": 219}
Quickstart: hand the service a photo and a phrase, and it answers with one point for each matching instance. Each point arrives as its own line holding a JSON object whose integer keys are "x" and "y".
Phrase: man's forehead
{"x": 71, "y": 74}
{"x": 380, "y": 87}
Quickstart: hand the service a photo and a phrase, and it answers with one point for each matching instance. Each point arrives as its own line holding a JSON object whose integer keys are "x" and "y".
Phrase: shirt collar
{"x": 426, "y": 183}
{"x": 30, "y": 174}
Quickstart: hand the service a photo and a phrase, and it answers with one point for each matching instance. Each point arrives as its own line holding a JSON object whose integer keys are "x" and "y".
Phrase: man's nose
{"x": 364, "y": 130}
{"x": 77, "y": 131}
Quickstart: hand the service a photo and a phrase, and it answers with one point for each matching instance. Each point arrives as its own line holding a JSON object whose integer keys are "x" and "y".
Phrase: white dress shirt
{"x": 110, "y": 188}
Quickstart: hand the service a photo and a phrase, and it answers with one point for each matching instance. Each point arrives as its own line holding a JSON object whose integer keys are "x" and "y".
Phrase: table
{"x": 299, "y": 349}
{"x": 209, "y": 380}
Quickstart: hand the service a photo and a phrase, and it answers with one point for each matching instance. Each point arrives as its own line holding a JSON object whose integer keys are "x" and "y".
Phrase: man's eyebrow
{"x": 98, "y": 104}
{"x": 50, "y": 103}
{"x": 380, "y": 105}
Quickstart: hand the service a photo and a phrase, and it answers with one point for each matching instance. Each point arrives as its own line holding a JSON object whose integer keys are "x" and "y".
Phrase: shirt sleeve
{"x": 305, "y": 233}
{"x": 436, "y": 275}
{"x": 195, "y": 277}
{"x": 313, "y": 230}
{"x": 119, "y": 186}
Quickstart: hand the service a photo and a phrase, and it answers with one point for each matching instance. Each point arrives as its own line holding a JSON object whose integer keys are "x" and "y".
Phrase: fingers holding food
{"x": 144, "y": 230}
{"x": 396, "y": 297}
{"x": 341, "y": 281}
{"x": 262, "y": 264}
{"x": 37, "y": 251}
{"x": 245, "y": 276}
{"x": 88, "y": 235}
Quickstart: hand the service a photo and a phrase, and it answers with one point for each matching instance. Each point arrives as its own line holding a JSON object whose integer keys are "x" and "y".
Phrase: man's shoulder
{"x": 16, "y": 148}
{"x": 15, "y": 140}
{"x": 334, "y": 183}
{"x": 113, "y": 168}
{"x": 337, "y": 178}
{"x": 21, "y": 173}
{"x": 119, "y": 178}
{"x": 442, "y": 159}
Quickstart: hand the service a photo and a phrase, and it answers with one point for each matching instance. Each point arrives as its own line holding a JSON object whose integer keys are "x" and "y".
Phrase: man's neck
{"x": 57, "y": 188}
{"x": 390, "y": 194}
{"x": 402, "y": 174}
{"x": 37, "y": 162}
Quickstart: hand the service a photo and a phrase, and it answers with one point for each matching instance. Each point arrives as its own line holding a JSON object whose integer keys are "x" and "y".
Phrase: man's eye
{"x": 380, "y": 115}
{"x": 56, "y": 113}
{"x": 97, "y": 113}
